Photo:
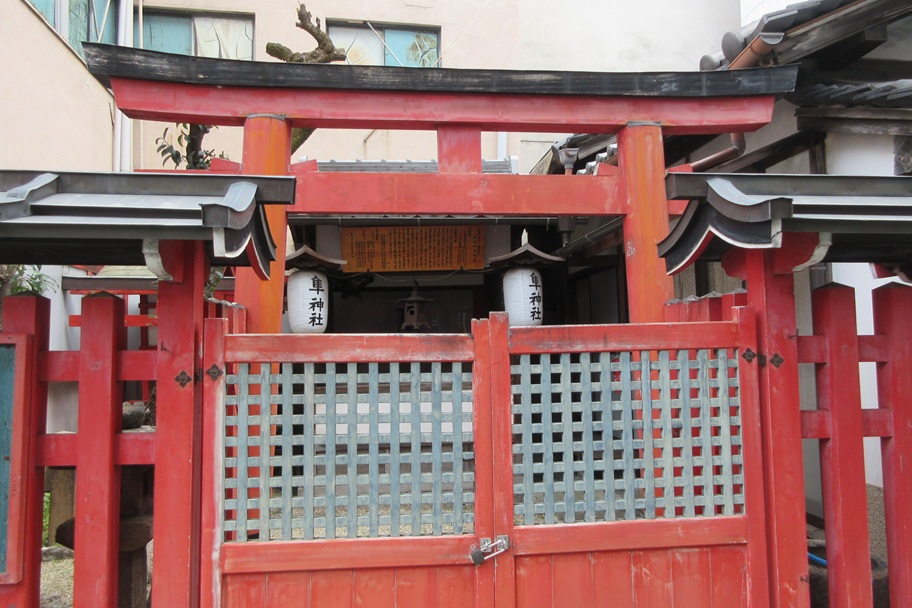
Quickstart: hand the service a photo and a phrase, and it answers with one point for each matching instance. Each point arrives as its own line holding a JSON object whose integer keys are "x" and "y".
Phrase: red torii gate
{"x": 269, "y": 99}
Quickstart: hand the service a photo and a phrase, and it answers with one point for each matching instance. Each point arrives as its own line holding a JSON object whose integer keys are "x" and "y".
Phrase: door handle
{"x": 489, "y": 549}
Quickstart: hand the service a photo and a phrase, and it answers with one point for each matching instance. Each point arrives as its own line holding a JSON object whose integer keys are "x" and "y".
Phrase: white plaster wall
{"x": 53, "y": 113}
{"x": 752, "y": 10}
{"x": 852, "y": 154}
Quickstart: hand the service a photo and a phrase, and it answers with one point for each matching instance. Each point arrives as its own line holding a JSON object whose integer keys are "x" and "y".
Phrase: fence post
{"x": 892, "y": 305}
{"x": 842, "y": 466}
{"x": 30, "y": 315}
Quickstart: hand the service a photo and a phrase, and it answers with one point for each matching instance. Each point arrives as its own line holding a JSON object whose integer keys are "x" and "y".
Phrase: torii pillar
{"x": 267, "y": 145}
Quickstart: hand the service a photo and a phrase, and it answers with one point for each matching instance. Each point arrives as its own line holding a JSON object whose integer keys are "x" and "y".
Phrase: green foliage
{"x": 22, "y": 278}
{"x": 188, "y": 149}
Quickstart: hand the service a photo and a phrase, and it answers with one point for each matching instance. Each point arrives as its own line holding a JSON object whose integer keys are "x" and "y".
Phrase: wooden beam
{"x": 864, "y": 121}
{"x": 834, "y": 27}
{"x": 456, "y": 194}
{"x": 763, "y": 158}
{"x": 230, "y": 106}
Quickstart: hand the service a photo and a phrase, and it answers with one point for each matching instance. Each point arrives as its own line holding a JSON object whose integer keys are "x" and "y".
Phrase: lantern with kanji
{"x": 522, "y": 283}
{"x": 308, "y": 290}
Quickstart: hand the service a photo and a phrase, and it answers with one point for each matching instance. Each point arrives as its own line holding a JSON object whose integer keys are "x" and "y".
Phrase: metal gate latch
{"x": 489, "y": 549}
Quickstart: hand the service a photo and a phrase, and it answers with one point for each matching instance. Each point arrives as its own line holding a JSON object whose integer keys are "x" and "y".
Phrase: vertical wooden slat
{"x": 706, "y": 449}
{"x": 265, "y": 452}
{"x": 547, "y": 438}
{"x": 649, "y": 435}
{"x": 724, "y": 430}
{"x": 395, "y": 456}
{"x": 692, "y": 583}
{"x": 373, "y": 465}
{"x": 332, "y": 421}
{"x": 668, "y": 489}
{"x": 332, "y": 589}
{"x": 628, "y": 433}
{"x": 287, "y": 488}
{"x": 534, "y": 582}
{"x": 455, "y": 587}
{"x": 309, "y": 411}
{"x": 572, "y": 575}
{"x": 437, "y": 447}
{"x": 351, "y": 454}
{"x": 842, "y": 467}
{"x": 605, "y": 373}
{"x": 652, "y": 579}
{"x": 567, "y": 439}
{"x": 97, "y": 502}
{"x": 416, "y": 587}
{"x": 483, "y": 394}
{"x": 586, "y": 368}
{"x": 415, "y": 454}
{"x": 374, "y": 588}
{"x": 457, "y": 455}
{"x": 612, "y": 578}
{"x": 243, "y": 450}
{"x": 687, "y": 443}
{"x": 288, "y": 588}
{"x": 245, "y": 591}
{"x": 528, "y": 462}
{"x": 892, "y": 304}
{"x": 213, "y": 474}
{"x": 729, "y": 576}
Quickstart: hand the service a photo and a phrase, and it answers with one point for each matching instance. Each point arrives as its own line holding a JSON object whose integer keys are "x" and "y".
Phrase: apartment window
{"x": 391, "y": 45}
{"x": 81, "y": 20}
{"x": 203, "y": 35}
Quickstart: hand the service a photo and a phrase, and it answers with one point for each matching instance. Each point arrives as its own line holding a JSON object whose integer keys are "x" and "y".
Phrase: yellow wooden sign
{"x": 413, "y": 248}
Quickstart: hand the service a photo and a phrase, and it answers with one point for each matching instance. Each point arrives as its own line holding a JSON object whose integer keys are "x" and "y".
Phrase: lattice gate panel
{"x": 626, "y": 435}
{"x": 347, "y": 450}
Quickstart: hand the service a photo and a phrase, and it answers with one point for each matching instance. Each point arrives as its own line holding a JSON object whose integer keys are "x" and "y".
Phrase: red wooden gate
{"x": 578, "y": 466}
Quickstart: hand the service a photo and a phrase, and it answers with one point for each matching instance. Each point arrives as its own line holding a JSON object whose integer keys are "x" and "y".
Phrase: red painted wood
{"x": 620, "y": 535}
{"x": 245, "y": 591}
{"x": 458, "y": 149}
{"x": 155, "y": 100}
{"x": 457, "y": 194}
{"x": 874, "y": 348}
{"x": 812, "y": 349}
{"x": 30, "y": 315}
{"x": 63, "y": 365}
{"x": 502, "y": 437}
{"x": 876, "y": 423}
{"x": 612, "y": 578}
{"x": 60, "y": 450}
{"x": 730, "y": 582}
{"x": 691, "y": 578}
{"x": 20, "y": 464}
{"x": 332, "y": 589}
{"x": 211, "y": 511}
{"x": 483, "y": 422}
{"x": 416, "y": 587}
{"x": 572, "y": 575}
{"x": 374, "y": 588}
{"x": 815, "y": 424}
{"x": 288, "y": 588}
{"x": 642, "y": 160}
{"x": 652, "y": 579}
{"x": 534, "y": 582}
{"x": 456, "y": 586}
{"x": 892, "y": 304}
{"x": 654, "y": 336}
{"x": 342, "y": 347}
{"x": 842, "y": 468}
{"x": 772, "y": 297}
{"x": 175, "y": 580}
{"x": 129, "y": 320}
{"x": 752, "y": 455}
{"x": 267, "y": 141}
{"x": 281, "y": 556}
{"x": 97, "y": 500}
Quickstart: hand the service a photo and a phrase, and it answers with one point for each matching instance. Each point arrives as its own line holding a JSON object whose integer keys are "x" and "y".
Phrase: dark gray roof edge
{"x": 106, "y": 61}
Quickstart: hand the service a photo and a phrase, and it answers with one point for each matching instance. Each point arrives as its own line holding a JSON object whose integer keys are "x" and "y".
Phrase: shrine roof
{"x": 857, "y": 218}
{"x": 119, "y": 218}
{"x": 107, "y": 61}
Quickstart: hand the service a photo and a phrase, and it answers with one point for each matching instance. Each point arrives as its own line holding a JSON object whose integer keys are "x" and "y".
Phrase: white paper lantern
{"x": 308, "y": 302}
{"x": 522, "y": 289}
